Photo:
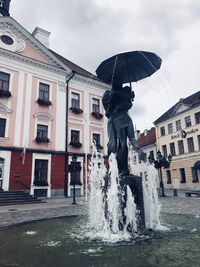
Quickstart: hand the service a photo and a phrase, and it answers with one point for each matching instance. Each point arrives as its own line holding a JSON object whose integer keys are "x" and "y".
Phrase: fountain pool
{"x": 65, "y": 242}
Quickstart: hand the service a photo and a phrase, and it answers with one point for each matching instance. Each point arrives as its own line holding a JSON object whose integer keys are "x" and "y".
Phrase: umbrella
{"x": 197, "y": 165}
{"x": 128, "y": 67}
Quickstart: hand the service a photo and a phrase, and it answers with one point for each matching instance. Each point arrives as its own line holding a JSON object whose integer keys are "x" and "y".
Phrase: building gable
{"x": 14, "y": 38}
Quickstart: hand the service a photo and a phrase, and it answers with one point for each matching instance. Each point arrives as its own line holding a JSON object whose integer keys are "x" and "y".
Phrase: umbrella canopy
{"x": 128, "y": 67}
{"x": 197, "y": 165}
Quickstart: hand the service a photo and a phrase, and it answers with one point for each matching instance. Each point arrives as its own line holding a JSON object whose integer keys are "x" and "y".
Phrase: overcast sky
{"x": 89, "y": 31}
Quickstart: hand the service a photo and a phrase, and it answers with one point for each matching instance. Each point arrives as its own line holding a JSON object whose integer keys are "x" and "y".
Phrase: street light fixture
{"x": 160, "y": 162}
{"x": 73, "y": 168}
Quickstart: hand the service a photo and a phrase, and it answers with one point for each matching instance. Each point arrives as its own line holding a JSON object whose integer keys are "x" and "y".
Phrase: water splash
{"x": 149, "y": 176}
{"x": 107, "y": 208}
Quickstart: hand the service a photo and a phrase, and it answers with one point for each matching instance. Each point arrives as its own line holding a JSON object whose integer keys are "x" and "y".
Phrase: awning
{"x": 197, "y": 165}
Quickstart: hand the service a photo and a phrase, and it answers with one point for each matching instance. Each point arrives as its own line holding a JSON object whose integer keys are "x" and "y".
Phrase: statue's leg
{"x": 122, "y": 152}
{"x": 112, "y": 137}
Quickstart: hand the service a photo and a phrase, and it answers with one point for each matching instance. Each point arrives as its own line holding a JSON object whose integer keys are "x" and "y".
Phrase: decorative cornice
{"x": 43, "y": 116}
{"x": 30, "y": 61}
{"x": 5, "y": 109}
{"x": 12, "y": 23}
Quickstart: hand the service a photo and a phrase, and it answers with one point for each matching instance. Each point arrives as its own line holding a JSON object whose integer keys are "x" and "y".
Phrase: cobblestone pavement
{"x": 61, "y": 207}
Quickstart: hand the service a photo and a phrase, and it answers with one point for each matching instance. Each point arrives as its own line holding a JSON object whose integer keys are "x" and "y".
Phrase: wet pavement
{"x": 63, "y": 207}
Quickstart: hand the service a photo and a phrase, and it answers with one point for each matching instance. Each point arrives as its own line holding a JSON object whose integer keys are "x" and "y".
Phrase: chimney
{"x": 137, "y": 134}
{"x": 4, "y": 7}
{"x": 42, "y": 36}
{"x": 145, "y": 132}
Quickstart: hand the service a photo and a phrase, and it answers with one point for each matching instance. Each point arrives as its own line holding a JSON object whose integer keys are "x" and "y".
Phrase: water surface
{"x": 63, "y": 242}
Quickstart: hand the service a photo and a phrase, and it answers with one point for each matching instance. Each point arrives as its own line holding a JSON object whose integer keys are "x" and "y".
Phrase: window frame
{"x": 5, "y": 81}
{"x": 181, "y": 149}
{"x": 162, "y": 131}
{"x": 4, "y": 130}
{"x": 96, "y": 107}
{"x": 189, "y": 122}
{"x": 170, "y": 128}
{"x": 42, "y": 92}
{"x": 172, "y": 149}
{"x": 74, "y": 100}
{"x": 178, "y": 125}
{"x": 197, "y": 117}
{"x": 190, "y": 145}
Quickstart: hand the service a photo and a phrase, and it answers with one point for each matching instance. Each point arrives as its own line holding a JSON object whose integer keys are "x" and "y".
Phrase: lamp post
{"x": 73, "y": 168}
{"x": 160, "y": 162}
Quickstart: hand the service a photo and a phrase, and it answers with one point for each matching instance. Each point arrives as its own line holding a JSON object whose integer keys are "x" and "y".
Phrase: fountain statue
{"x": 119, "y": 198}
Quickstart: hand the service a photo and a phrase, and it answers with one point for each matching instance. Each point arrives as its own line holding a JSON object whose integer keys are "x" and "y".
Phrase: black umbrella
{"x": 128, "y": 67}
{"x": 197, "y": 165}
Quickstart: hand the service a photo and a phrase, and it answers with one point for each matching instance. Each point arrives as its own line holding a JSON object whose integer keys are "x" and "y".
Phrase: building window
{"x": 178, "y": 125}
{"x": 2, "y": 127}
{"x": 75, "y": 100}
{"x": 75, "y": 139}
{"x": 190, "y": 144}
{"x": 162, "y": 131}
{"x": 197, "y": 117}
{"x": 41, "y": 172}
{"x": 42, "y": 131}
{"x": 4, "y": 81}
{"x": 198, "y": 139}
{"x": 96, "y": 138}
{"x": 195, "y": 178}
{"x": 42, "y": 134}
{"x": 95, "y": 105}
{"x": 180, "y": 147}
{"x": 164, "y": 150}
{"x": 170, "y": 128}
{"x": 182, "y": 175}
{"x": 188, "y": 121}
{"x": 75, "y": 136}
{"x": 172, "y": 149}
{"x": 44, "y": 91}
{"x": 169, "y": 178}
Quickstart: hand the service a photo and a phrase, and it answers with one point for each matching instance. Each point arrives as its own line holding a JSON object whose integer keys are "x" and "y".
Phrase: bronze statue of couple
{"x": 117, "y": 103}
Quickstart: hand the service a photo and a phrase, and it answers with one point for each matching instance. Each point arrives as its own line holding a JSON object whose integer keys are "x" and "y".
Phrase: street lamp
{"x": 73, "y": 168}
{"x": 161, "y": 161}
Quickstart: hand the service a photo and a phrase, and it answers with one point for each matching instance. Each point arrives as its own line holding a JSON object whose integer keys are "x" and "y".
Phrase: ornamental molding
{"x": 43, "y": 116}
{"x": 92, "y": 82}
{"x": 5, "y": 109}
{"x": 28, "y": 38}
{"x": 18, "y": 44}
{"x": 32, "y": 62}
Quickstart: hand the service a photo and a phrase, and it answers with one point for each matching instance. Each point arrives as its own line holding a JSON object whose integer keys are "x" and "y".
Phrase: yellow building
{"x": 178, "y": 134}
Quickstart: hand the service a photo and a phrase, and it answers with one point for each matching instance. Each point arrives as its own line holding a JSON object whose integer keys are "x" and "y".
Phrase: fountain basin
{"x": 65, "y": 242}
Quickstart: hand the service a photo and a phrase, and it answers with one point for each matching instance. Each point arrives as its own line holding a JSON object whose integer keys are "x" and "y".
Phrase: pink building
{"x": 38, "y": 134}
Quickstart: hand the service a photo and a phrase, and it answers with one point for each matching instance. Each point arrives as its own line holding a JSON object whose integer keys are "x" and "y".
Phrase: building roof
{"x": 75, "y": 67}
{"x": 190, "y": 102}
{"x": 147, "y": 138}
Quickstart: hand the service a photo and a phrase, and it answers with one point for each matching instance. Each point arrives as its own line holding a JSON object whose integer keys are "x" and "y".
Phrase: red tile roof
{"x": 147, "y": 139}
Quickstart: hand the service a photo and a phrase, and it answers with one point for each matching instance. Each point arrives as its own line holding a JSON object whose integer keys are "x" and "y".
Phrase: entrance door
{"x": 1, "y": 172}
